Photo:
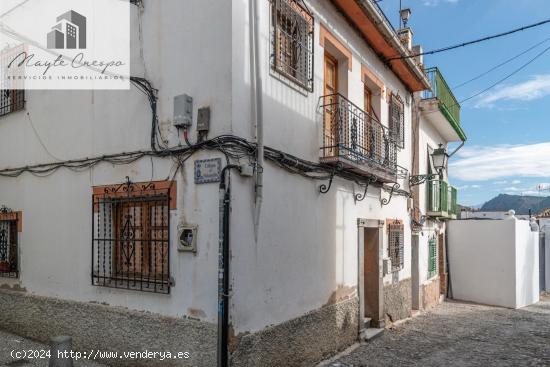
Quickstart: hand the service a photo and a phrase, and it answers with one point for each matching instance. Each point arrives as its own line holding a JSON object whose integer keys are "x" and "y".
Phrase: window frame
{"x": 281, "y": 27}
{"x": 432, "y": 257}
{"x": 11, "y": 100}
{"x": 12, "y": 91}
{"x": 396, "y": 245}
{"x": 396, "y": 106}
{"x": 130, "y": 234}
{"x": 9, "y": 256}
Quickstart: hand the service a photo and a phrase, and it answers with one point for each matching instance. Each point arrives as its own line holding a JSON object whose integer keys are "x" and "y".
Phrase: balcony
{"x": 442, "y": 200}
{"x": 441, "y": 108}
{"x": 357, "y": 140}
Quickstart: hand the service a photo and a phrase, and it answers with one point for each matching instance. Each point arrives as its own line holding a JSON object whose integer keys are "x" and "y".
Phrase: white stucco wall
{"x": 546, "y": 229}
{"x": 494, "y": 262}
{"x": 428, "y": 137}
{"x": 307, "y": 242}
{"x": 180, "y": 55}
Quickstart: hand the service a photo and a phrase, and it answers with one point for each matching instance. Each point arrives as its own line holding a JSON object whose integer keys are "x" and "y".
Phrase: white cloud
{"x": 475, "y": 186}
{"x": 503, "y": 182}
{"x": 537, "y": 87}
{"x": 496, "y": 162}
{"x": 516, "y": 182}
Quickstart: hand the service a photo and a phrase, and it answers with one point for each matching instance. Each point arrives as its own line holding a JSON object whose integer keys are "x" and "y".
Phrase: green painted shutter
{"x": 432, "y": 258}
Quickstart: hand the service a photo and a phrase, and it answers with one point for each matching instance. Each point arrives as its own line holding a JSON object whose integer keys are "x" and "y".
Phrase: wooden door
{"x": 372, "y": 279}
{"x": 330, "y": 118}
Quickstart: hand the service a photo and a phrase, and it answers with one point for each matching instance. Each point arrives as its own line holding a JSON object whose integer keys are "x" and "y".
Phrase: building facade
{"x": 272, "y": 186}
{"x": 437, "y": 124}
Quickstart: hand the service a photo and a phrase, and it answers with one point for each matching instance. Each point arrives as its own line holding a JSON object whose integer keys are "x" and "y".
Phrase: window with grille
{"x": 396, "y": 245}
{"x": 432, "y": 258}
{"x": 131, "y": 236}
{"x": 11, "y": 101}
{"x": 397, "y": 120}
{"x": 9, "y": 251}
{"x": 12, "y": 92}
{"x": 292, "y": 41}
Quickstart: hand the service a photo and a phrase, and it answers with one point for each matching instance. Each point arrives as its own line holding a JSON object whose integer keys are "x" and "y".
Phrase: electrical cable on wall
{"x": 231, "y": 146}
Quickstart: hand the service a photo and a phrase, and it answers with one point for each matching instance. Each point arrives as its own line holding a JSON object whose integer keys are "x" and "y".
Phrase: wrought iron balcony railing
{"x": 448, "y": 103}
{"x": 352, "y": 135}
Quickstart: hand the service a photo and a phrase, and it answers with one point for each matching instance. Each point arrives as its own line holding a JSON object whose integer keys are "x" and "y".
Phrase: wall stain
{"x": 342, "y": 293}
{"x": 196, "y": 313}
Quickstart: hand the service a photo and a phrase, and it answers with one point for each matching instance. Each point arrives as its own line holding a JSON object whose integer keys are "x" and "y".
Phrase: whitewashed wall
{"x": 546, "y": 229}
{"x": 494, "y": 262}
{"x": 429, "y": 137}
{"x": 307, "y": 242}
{"x": 180, "y": 55}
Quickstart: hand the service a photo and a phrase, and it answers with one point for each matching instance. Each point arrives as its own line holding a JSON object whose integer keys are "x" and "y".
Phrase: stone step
{"x": 367, "y": 322}
{"x": 371, "y": 334}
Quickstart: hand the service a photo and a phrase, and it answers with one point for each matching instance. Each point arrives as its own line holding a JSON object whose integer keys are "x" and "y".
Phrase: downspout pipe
{"x": 257, "y": 110}
{"x": 223, "y": 268}
{"x": 457, "y": 148}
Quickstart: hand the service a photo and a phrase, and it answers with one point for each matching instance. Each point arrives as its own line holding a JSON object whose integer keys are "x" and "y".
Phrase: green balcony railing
{"x": 438, "y": 193}
{"x": 453, "y": 202}
{"x": 442, "y": 199}
{"x": 448, "y": 103}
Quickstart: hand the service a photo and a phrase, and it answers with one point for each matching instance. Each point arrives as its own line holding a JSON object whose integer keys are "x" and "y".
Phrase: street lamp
{"x": 439, "y": 161}
{"x": 439, "y": 158}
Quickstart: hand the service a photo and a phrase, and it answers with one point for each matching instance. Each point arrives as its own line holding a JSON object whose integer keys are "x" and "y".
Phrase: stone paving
{"x": 461, "y": 334}
{"x": 10, "y": 342}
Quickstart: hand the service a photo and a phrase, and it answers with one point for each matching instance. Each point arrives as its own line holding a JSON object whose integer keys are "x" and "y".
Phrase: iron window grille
{"x": 397, "y": 120}
{"x": 432, "y": 258}
{"x": 292, "y": 35}
{"x": 11, "y": 99}
{"x": 396, "y": 251}
{"x": 9, "y": 250}
{"x": 131, "y": 237}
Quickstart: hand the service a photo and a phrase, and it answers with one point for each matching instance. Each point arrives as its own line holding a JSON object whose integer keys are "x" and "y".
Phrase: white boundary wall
{"x": 494, "y": 262}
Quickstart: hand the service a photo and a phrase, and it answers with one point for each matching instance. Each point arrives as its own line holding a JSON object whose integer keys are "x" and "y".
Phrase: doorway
{"x": 372, "y": 273}
{"x": 371, "y": 297}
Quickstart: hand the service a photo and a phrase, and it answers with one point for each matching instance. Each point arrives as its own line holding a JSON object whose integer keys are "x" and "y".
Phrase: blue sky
{"x": 508, "y": 128}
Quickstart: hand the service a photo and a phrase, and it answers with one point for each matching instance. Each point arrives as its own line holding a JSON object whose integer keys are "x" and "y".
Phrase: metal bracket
{"x": 394, "y": 188}
{"x": 420, "y": 179}
{"x": 323, "y": 189}
{"x": 361, "y": 197}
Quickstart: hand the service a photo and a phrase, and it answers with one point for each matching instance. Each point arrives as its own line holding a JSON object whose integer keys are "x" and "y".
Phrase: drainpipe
{"x": 257, "y": 110}
{"x": 457, "y": 148}
{"x": 223, "y": 268}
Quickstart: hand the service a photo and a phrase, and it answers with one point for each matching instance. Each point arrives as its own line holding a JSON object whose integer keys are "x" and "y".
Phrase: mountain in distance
{"x": 521, "y": 204}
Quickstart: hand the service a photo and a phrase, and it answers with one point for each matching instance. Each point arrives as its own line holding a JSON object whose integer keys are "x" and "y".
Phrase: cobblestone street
{"x": 461, "y": 334}
{"x": 10, "y": 344}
